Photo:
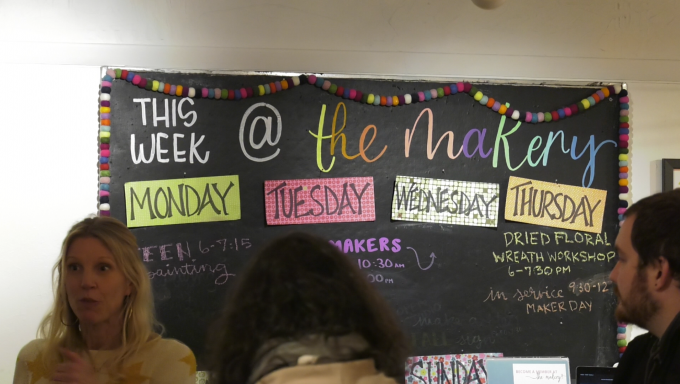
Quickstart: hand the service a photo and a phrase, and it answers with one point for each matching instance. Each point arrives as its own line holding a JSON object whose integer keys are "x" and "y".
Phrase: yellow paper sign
{"x": 555, "y": 205}
{"x": 182, "y": 201}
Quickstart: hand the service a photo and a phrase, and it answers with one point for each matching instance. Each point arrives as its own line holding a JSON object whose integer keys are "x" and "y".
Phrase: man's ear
{"x": 663, "y": 276}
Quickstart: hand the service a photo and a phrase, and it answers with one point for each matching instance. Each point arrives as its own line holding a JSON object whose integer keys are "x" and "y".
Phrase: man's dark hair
{"x": 300, "y": 285}
{"x": 656, "y": 229}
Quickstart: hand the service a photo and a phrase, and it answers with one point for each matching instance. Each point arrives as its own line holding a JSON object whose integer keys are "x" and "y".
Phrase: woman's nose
{"x": 88, "y": 280}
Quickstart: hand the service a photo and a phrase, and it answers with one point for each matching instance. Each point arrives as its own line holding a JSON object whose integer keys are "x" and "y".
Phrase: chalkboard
{"x": 519, "y": 289}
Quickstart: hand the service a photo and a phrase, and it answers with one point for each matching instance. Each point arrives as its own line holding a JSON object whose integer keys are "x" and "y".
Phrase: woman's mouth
{"x": 88, "y": 302}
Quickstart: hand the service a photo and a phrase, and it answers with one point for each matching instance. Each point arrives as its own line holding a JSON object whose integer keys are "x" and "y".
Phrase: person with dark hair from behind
{"x": 301, "y": 312}
{"x": 647, "y": 284}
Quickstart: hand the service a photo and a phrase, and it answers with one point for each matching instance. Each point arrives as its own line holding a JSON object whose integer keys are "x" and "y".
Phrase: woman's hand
{"x": 74, "y": 370}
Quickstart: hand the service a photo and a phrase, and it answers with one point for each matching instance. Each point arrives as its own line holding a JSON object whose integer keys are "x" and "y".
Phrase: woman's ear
{"x": 129, "y": 289}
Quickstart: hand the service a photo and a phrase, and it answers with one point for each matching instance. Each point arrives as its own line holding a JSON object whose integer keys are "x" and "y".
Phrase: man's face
{"x": 636, "y": 304}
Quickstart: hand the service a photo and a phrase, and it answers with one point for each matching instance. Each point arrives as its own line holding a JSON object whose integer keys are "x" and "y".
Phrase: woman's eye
{"x": 105, "y": 268}
{"x": 72, "y": 267}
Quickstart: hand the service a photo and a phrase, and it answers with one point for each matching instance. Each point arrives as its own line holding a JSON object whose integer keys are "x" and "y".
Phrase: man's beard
{"x": 639, "y": 307}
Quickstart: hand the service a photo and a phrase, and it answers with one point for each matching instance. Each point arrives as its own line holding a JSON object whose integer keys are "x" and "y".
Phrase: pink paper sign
{"x": 309, "y": 201}
{"x": 464, "y": 368}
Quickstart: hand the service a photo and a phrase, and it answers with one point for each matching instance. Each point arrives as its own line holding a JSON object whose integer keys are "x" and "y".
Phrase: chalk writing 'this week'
{"x": 159, "y": 145}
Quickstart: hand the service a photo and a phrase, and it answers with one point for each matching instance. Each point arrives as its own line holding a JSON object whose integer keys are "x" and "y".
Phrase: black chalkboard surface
{"x": 519, "y": 289}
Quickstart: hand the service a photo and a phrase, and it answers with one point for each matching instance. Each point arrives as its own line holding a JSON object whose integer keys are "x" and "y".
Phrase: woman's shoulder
{"x": 168, "y": 350}
{"x": 29, "y": 364}
{"x": 168, "y": 360}
{"x": 168, "y": 346}
{"x": 30, "y": 351}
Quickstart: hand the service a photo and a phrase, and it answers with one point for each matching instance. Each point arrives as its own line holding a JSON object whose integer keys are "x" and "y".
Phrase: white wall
{"x": 655, "y": 133}
{"x": 50, "y": 51}
{"x": 536, "y": 39}
{"x": 48, "y": 166}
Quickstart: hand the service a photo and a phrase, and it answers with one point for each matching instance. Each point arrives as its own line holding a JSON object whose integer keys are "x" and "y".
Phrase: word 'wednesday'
{"x": 307, "y": 201}
{"x": 182, "y": 201}
{"x": 445, "y": 201}
{"x": 555, "y": 205}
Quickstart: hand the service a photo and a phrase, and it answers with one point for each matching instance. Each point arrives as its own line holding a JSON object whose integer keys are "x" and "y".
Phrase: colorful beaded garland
{"x": 105, "y": 132}
{"x": 624, "y": 137}
{"x": 621, "y": 342}
{"x": 371, "y": 99}
{"x": 206, "y": 93}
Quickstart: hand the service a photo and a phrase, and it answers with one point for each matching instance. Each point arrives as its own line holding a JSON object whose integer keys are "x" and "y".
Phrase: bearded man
{"x": 647, "y": 285}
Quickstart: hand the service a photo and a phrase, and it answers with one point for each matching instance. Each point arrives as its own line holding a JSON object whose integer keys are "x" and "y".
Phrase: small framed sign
{"x": 528, "y": 370}
{"x": 671, "y": 174}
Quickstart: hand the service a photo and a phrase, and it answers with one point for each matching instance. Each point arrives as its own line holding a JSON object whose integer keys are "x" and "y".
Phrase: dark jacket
{"x": 631, "y": 369}
{"x": 648, "y": 360}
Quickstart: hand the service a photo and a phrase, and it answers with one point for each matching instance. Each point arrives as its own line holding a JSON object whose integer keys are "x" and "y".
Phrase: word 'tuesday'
{"x": 310, "y": 201}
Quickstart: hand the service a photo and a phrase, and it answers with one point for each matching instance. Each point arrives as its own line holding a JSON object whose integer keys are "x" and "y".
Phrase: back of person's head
{"x": 656, "y": 229}
{"x": 296, "y": 286}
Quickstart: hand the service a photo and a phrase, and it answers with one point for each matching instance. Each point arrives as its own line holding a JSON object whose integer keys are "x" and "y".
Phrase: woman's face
{"x": 95, "y": 286}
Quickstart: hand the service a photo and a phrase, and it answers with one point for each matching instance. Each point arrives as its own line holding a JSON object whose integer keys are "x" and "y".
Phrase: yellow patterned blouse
{"x": 160, "y": 361}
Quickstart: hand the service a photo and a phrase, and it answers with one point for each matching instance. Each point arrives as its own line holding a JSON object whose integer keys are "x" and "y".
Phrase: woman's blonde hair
{"x": 61, "y": 328}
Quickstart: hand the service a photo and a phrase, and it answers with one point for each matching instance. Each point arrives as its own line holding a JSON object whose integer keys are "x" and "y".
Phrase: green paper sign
{"x": 182, "y": 201}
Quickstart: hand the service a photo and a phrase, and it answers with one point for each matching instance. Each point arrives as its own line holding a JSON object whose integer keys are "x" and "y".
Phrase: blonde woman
{"x": 101, "y": 326}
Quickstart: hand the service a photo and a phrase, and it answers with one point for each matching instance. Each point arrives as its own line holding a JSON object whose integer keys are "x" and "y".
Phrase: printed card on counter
{"x": 311, "y": 201}
{"x": 555, "y": 205}
{"x": 461, "y": 368}
{"x": 539, "y": 374}
{"x": 445, "y": 201}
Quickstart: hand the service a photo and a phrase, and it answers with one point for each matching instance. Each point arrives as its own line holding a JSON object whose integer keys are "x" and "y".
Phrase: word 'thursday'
{"x": 555, "y": 205}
